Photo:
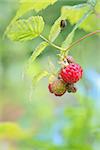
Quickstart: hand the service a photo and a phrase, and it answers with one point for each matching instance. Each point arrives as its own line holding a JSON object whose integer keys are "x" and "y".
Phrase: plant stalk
{"x": 81, "y": 39}
{"x": 73, "y": 44}
{"x": 51, "y": 43}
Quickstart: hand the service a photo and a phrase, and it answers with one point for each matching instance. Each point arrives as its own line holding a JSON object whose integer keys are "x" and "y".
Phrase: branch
{"x": 73, "y": 44}
{"x": 81, "y": 39}
{"x": 51, "y": 43}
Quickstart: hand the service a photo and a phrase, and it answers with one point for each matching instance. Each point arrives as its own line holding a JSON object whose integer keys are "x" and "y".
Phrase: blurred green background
{"x": 34, "y": 119}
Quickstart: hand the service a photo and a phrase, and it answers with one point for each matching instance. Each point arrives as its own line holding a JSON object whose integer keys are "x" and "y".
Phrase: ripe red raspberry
{"x": 58, "y": 87}
{"x": 71, "y": 73}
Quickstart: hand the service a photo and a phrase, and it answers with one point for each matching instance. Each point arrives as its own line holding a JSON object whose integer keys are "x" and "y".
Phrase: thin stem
{"x": 81, "y": 39}
{"x": 73, "y": 44}
{"x": 51, "y": 43}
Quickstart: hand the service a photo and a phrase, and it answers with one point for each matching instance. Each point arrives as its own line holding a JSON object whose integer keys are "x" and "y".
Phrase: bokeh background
{"x": 32, "y": 118}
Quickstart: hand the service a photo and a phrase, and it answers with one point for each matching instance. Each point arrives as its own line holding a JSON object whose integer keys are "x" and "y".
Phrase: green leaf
{"x": 12, "y": 131}
{"x": 74, "y": 13}
{"x": 69, "y": 38}
{"x": 39, "y": 76}
{"x": 92, "y": 2}
{"x": 37, "y": 5}
{"x": 55, "y": 30}
{"x": 28, "y": 5}
{"x": 51, "y": 66}
{"x": 38, "y": 51}
{"x": 23, "y": 30}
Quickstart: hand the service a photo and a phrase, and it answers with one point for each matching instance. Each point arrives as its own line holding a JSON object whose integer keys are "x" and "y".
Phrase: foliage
{"x": 46, "y": 122}
{"x": 27, "y": 5}
{"x": 90, "y": 24}
{"x": 21, "y": 30}
{"x": 38, "y": 51}
{"x": 11, "y": 131}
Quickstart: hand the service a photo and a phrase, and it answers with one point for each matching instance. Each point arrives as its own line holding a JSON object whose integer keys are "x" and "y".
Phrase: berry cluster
{"x": 69, "y": 74}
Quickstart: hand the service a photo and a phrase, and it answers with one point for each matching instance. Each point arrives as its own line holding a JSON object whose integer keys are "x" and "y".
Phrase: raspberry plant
{"x": 27, "y": 29}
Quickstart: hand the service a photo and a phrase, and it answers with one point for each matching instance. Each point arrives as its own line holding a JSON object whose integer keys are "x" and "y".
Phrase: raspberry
{"x": 58, "y": 87}
{"x": 71, "y": 88}
{"x": 50, "y": 88}
{"x": 71, "y": 73}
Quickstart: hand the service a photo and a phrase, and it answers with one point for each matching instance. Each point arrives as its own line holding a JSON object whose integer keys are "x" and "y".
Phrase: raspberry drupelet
{"x": 71, "y": 73}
